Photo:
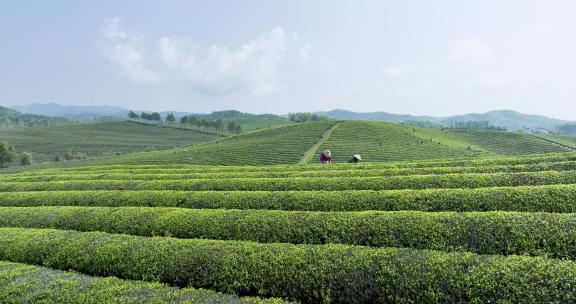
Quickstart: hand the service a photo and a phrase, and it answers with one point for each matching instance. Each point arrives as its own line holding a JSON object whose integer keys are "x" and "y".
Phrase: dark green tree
{"x": 133, "y": 115}
{"x": 170, "y": 118}
{"x": 26, "y": 158}
{"x": 7, "y": 153}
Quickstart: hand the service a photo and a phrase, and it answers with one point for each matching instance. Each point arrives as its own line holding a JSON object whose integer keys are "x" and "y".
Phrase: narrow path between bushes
{"x": 312, "y": 151}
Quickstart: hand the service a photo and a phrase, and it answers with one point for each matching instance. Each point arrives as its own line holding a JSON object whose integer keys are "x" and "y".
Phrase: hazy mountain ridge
{"x": 72, "y": 112}
{"x": 10, "y": 118}
{"x": 95, "y": 112}
{"x": 511, "y": 120}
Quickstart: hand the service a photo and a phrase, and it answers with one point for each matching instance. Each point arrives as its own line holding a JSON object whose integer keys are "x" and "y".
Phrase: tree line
{"x": 154, "y": 116}
{"x": 483, "y": 125}
{"x": 216, "y": 125}
{"x": 8, "y": 155}
{"x": 306, "y": 116}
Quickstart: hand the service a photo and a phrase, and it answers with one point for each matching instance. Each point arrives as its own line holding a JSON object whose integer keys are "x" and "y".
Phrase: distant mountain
{"x": 112, "y": 112}
{"x": 10, "y": 118}
{"x": 233, "y": 114}
{"x": 73, "y": 112}
{"x": 511, "y": 120}
{"x": 384, "y": 116}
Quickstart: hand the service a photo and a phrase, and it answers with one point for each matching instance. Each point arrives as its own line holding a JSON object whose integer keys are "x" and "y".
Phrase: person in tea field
{"x": 326, "y": 157}
{"x": 356, "y": 158}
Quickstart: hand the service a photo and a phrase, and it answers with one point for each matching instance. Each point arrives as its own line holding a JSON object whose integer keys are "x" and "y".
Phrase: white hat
{"x": 357, "y": 156}
{"x": 327, "y": 153}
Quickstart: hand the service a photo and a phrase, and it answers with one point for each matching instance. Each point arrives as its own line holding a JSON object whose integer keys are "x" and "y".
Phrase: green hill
{"x": 10, "y": 118}
{"x": 98, "y": 139}
{"x": 277, "y": 145}
{"x": 497, "y": 229}
{"x": 375, "y": 141}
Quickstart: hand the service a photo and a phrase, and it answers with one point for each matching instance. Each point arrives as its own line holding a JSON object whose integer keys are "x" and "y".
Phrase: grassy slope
{"x": 505, "y": 143}
{"x": 297, "y": 272}
{"x": 247, "y": 124}
{"x": 100, "y": 139}
{"x": 277, "y": 145}
{"x": 375, "y": 141}
{"x": 380, "y": 141}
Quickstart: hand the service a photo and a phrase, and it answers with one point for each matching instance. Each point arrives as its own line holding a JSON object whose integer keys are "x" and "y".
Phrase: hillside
{"x": 98, "y": 139}
{"x": 277, "y": 145}
{"x": 72, "y": 112}
{"x": 10, "y": 118}
{"x": 248, "y": 121}
{"x": 495, "y": 230}
{"x": 375, "y": 141}
{"x": 511, "y": 120}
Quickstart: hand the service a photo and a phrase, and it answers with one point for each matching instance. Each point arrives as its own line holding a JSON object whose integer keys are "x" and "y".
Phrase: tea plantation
{"x": 375, "y": 141}
{"x": 92, "y": 140}
{"x": 452, "y": 230}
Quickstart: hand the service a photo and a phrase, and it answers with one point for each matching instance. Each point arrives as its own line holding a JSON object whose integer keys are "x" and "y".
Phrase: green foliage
{"x": 379, "y": 141}
{"x": 308, "y": 273}
{"x": 549, "y": 198}
{"x": 465, "y": 180}
{"x": 99, "y": 139}
{"x": 32, "y": 284}
{"x": 474, "y": 125}
{"x": 191, "y": 172}
{"x": 278, "y": 145}
{"x": 320, "y": 238}
{"x": 548, "y": 159}
{"x": 7, "y": 153}
{"x": 13, "y": 119}
{"x": 154, "y": 116}
{"x": 546, "y": 234}
{"x": 505, "y": 143}
{"x": 566, "y": 129}
{"x": 26, "y": 158}
{"x": 305, "y": 116}
{"x": 133, "y": 115}
{"x": 427, "y": 124}
{"x": 170, "y": 118}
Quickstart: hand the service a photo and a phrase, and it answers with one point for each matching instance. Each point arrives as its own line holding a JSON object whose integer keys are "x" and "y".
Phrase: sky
{"x": 440, "y": 57}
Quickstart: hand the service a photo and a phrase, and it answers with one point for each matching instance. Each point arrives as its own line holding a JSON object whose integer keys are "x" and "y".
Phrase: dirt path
{"x": 312, "y": 151}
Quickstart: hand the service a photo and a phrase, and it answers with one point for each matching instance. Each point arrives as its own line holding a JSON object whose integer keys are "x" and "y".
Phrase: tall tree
{"x": 7, "y": 153}
{"x": 170, "y": 118}
{"x": 218, "y": 124}
{"x": 231, "y": 126}
{"x": 25, "y": 158}
{"x": 133, "y": 115}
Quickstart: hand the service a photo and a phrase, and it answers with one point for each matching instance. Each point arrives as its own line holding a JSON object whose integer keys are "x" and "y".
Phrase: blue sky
{"x": 420, "y": 57}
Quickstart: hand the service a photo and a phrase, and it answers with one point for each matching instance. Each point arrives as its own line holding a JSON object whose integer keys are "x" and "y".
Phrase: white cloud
{"x": 470, "y": 50}
{"x": 252, "y": 67}
{"x": 126, "y": 51}
{"x": 395, "y": 71}
{"x": 218, "y": 69}
{"x": 305, "y": 53}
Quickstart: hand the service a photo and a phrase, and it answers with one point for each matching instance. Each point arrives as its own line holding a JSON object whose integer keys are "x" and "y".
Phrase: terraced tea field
{"x": 480, "y": 230}
{"x": 375, "y": 141}
{"x": 99, "y": 139}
